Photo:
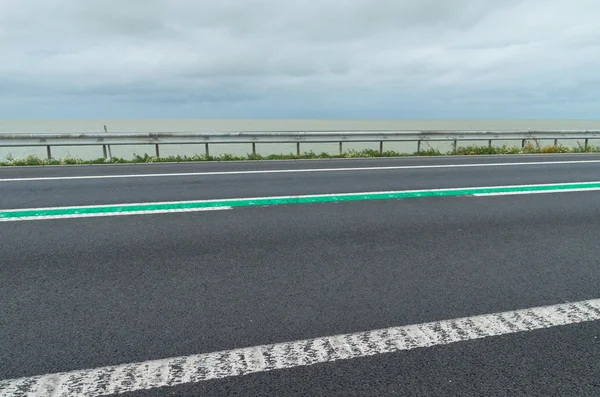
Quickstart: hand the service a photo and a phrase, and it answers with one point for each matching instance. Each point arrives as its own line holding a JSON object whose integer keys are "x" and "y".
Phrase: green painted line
{"x": 124, "y": 209}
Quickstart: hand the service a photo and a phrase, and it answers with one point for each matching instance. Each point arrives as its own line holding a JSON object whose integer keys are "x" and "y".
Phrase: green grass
{"x": 529, "y": 148}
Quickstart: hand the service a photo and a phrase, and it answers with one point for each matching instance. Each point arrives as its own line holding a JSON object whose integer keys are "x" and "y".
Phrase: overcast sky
{"x": 300, "y": 58}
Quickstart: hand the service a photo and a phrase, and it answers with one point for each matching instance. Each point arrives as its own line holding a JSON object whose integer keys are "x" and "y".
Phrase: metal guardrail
{"x": 297, "y": 137}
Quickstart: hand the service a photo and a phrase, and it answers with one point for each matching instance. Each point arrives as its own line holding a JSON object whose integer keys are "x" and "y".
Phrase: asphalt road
{"x": 439, "y": 172}
{"x": 87, "y": 293}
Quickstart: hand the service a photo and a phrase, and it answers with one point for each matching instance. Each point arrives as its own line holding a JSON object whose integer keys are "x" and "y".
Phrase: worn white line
{"x": 303, "y": 170}
{"x": 201, "y": 367}
{"x": 535, "y": 192}
{"x": 104, "y": 214}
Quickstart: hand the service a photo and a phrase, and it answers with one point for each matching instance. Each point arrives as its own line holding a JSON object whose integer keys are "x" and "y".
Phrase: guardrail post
{"x": 555, "y": 142}
{"x": 157, "y": 150}
{"x": 341, "y": 149}
{"x": 418, "y": 146}
{"x": 109, "y": 150}
{"x": 253, "y": 148}
{"x": 522, "y": 143}
{"x": 297, "y": 149}
{"x": 104, "y": 152}
{"x": 490, "y": 144}
{"x": 380, "y": 148}
{"x": 48, "y": 152}
{"x": 206, "y": 151}
{"x": 454, "y": 144}
{"x": 585, "y": 144}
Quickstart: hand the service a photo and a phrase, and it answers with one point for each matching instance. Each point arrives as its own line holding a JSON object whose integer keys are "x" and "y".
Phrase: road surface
{"x": 360, "y": 297}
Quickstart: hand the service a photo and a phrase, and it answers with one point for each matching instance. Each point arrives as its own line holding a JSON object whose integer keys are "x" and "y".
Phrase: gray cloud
{"x": 361, "y": 58}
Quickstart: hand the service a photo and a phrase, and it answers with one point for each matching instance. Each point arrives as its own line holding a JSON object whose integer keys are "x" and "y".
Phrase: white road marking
{"x": 103, "y": 214}
{"x": 535, "y": 192}
{"x": 200, "y": 367}
{"x": 291, "y": 171}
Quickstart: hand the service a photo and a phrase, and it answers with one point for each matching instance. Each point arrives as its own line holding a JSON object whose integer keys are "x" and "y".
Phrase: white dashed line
{"x": 104, "y": 214}
{"x": 536, "y": 192}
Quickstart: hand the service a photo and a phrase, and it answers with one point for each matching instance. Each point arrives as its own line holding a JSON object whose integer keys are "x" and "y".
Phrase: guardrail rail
{"x": 297, "y": 137}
